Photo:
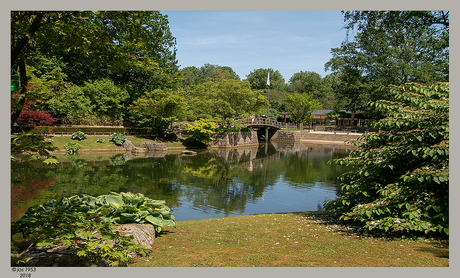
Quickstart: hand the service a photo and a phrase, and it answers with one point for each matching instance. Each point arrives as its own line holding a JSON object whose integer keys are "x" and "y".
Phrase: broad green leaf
{"x": 91, "y": 201}
{"x": 154, "y": 220}
{"x": 115, "y": 201}
{"x": 167, "y": 222}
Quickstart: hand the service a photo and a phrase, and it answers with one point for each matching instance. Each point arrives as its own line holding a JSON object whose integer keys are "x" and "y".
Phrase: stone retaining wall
{"x": 329, "y": 136}
{"x": 304, "y": 135}
{"x": 236, "y": 139}
{"x": 288, "y": 135}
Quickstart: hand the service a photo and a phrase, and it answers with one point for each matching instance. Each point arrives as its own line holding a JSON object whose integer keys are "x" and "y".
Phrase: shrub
{"x": 401, "y": 181}
{"x": 71, "y": 222}
{"x": 72, "y": 147}
{"x": 201, "y": 130}
{"x": 78, "y": 136}
{"x": 100, "y": 140}
{"x": 117, "y": 138}
{"x": 34, "y": 147}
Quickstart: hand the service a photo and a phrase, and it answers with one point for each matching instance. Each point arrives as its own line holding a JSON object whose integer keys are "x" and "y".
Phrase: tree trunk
{"x": 21, "y": 43}
{"x": 352, "y": 123}
{"x": 22, "y": 91}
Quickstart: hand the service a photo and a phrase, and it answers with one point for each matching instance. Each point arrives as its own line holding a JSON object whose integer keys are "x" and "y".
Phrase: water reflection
{"x": 272, "y": 177}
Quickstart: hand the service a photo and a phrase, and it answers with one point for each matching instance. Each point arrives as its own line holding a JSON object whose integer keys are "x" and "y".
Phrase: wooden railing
{"x": 261, "y": 122}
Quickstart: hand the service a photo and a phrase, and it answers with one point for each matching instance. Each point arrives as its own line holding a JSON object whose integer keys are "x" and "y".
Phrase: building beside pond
{"x": 320, "y": 118}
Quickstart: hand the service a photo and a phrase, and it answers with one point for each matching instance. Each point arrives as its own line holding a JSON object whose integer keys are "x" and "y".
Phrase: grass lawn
{"x": 285, "y": 240}
{"x": 90, "y": 143}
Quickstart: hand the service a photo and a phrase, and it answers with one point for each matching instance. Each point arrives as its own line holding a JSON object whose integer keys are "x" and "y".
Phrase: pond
{"x": 270, "y": 178}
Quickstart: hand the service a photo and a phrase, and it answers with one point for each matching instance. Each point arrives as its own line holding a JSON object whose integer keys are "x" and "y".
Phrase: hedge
{"x": 88, "y": 130}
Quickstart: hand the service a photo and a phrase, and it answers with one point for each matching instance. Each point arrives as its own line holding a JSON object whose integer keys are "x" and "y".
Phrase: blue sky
{"x": 287, "y": 41}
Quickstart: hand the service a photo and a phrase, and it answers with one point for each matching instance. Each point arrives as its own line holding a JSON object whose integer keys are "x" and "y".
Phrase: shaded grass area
{"x": 285, "y": 240}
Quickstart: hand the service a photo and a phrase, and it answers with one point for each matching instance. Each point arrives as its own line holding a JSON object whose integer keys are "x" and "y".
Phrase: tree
{"x": 353, "y": 91}
{"x": 312, "y": 83}
{"x": 390, "y": 47}
{"x": 225, "y": 101}
{"x": 397, "y": 47}
{"x": 98, "y": 102}
{"x": 217, "y": 73}
{"x": 275, "y": 93}
{"x": 400, "y": 180}
{"x": 301, "y": 106}
{"x": 72, "y": 106}
{"x": 44, "y": 80}
{"x": 190, "y": 77}
{"x": 337, "y": 114}
{"x": 258, "y": 79}
{"x": 158, "y": 109}
{"x": 118, "y": 41}
{"x": 106, "y": 98}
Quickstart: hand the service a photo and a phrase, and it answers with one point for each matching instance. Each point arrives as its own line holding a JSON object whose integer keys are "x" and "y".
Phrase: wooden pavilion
{"x": 320, "y": 118}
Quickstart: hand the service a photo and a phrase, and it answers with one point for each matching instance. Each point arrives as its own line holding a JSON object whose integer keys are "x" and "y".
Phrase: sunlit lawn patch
{"x": 287, "y": 240}
{"x": 95, "y": 142}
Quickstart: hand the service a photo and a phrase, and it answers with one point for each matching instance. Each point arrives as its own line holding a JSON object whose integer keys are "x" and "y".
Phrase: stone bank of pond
{"x": 269, "y": 178}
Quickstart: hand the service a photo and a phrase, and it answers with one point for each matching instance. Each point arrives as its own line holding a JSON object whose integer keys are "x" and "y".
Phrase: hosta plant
{"x": 117, "y": 138}
{"x": 78, "y": 136}
{"x": 72, "y": 147}
{"x": 74, "y": 221}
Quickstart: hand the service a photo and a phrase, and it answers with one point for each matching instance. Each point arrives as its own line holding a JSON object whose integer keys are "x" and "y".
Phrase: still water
{"x": 270, "y": 178}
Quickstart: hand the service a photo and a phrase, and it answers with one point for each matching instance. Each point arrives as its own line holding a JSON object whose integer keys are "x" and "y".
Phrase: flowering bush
{"x": 401, "y": 176}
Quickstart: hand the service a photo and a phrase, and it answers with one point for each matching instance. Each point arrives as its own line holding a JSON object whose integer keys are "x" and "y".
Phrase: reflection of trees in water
{"x": 227, "y": 191}
{"x": 222, "y": 181}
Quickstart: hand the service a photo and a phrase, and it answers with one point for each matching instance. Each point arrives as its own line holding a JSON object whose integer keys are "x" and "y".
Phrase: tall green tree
{"x": 353, "y": 91}
{"x": 301, "y": 107}
{"x": 396, "y": 47}
{"x": 312, "y": 83}
{"x": 258, "y": 79}
{"x": 400, "y": 181}
{"x": 217, "y": 73}
{"x": 192, "y": 76}
{"x": 98, "y": 102}
{"x": 390, "y": 47}
{"x": 113, "y": 41}
{"x": 275, "y": 93}
{"x": 158, "y": 109}
{"x": 224, "y": 101}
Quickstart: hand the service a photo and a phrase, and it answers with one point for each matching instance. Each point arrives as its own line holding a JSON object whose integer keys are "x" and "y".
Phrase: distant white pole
{"x": 268, "y": 95}
{"x": 174, "y": 64}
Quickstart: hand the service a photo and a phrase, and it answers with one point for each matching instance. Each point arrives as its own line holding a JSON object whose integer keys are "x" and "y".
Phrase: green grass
{"x": 90, "y": 143}
{"x": 285, "y": 240}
